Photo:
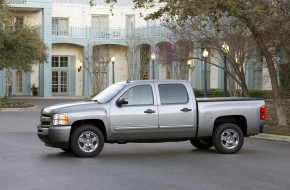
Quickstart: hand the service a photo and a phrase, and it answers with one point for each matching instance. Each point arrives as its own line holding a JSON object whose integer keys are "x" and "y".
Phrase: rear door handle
{"x": 185, "y": 110}
{"x": 149, "y": 111}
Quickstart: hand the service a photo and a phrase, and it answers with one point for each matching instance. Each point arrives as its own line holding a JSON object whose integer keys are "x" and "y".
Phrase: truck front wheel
{"x": 228, "y": 138}
{"x": 87, "y": 141}
{"x": 203, "y": 143}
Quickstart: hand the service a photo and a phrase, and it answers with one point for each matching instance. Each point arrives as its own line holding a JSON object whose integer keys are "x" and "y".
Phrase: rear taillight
{"x": 263, "y": 112}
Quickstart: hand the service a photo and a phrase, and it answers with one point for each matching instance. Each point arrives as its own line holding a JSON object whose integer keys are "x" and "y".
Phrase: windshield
{"x": 107, "y": 94}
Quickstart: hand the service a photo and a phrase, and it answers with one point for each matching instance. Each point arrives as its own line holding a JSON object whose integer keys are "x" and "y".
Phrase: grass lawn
{"x": 279, "y": 130}
{"x": 8, "y": 103}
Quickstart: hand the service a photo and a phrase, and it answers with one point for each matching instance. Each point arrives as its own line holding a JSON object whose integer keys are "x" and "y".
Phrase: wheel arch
{"x": 94, "y": 122}
{"x": 239, "y": 120}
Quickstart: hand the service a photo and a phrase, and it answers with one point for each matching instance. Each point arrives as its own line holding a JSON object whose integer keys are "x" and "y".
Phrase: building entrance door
{"x": 60, "y": 76}
{"x": 59, "y": 82}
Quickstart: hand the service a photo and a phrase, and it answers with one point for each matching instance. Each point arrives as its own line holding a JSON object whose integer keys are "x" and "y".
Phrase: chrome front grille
{"x": 45, "y": 120}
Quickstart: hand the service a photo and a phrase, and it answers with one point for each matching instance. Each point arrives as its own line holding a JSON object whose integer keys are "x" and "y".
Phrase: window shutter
{"x": 72, "y": 75}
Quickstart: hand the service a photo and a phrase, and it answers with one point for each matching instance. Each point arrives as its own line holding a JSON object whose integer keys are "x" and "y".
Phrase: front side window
{"x": 139, "y": 95}
{"x": 173, "y": 94}
{"x": 107, "y": 94}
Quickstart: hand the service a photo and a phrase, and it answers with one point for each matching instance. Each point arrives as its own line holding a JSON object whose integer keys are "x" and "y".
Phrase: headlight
{"x": 60, "y": 119}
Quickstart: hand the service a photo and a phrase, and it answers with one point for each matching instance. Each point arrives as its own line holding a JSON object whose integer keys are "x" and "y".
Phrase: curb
{"x": 16, "y": 109}
{"x": 270, "y": 137}
{"x": 51, "y": 98}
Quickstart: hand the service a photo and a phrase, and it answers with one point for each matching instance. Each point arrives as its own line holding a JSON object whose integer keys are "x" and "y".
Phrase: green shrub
{"x": 217, "y": 92}
{"x": 266, "y": 94}
{"x": 8, "y": 103}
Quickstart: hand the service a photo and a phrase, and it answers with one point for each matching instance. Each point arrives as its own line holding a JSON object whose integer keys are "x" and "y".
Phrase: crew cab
{"x": 151, "y": 111}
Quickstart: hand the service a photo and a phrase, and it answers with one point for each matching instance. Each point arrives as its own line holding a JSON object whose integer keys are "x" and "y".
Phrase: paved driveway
{"x": 27, "y": 164}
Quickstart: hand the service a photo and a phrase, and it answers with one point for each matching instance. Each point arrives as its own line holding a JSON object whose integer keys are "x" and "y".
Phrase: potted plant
{"x": 34, "y": 90}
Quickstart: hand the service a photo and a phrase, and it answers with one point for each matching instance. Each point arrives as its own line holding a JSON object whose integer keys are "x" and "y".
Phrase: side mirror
{"x": 121, "y": 101}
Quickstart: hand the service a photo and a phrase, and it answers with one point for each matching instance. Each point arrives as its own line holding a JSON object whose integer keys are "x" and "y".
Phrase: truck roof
{"x": 146, "y": 81}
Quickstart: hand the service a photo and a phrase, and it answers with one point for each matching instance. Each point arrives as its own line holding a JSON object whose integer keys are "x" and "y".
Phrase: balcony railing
{"x": 91, "y": 32}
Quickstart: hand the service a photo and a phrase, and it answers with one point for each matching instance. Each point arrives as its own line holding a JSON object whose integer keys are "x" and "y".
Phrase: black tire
{"x": 87, "y": 141}
{"x": 68, "y": 150}
{"x": 203, "y": 143}
{"x": 228, "y": 138}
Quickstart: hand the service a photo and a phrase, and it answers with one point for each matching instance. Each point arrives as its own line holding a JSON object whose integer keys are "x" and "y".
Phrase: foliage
{"x": 267, "y": 23}
{"x": 265, "y": 94}
{"x": 279, "y": 133}
{"x": 96, "y": 62}
{"x": 138, "y": 56}
{"x": 21, "y": 47}
{"x": 8, "y": 103}
{"x": 285, "y": 79}
{"x": 34, "y": 88}
{"x": 279, "y": 130}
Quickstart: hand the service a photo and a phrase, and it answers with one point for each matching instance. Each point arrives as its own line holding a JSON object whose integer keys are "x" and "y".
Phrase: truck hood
{"x": 69, "y": 107}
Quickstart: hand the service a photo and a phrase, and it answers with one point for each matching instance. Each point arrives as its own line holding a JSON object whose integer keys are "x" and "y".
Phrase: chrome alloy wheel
{"x": 88, "y": 141}
{"x": 230, "y": 139}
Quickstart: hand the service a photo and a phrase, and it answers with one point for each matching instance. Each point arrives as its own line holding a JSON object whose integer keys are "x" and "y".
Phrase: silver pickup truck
{"x": 151, "y": 111}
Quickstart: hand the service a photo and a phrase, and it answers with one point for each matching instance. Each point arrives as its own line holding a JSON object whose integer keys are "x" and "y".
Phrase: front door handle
{"x": 149, "y": 111}
{"x": 185, "y": 110}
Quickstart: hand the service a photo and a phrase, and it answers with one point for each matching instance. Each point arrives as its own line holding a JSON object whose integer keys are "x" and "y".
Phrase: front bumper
{"x": 264, "y": 127}
{"x": 56, "y": 136}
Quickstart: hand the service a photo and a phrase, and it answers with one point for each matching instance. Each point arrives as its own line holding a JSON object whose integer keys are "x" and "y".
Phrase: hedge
{"x": 266, "y": 94}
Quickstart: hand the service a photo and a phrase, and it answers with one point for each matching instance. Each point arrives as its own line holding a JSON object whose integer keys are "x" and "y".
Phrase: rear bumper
{"x": 264, "y": 127}
{"x": 57, "y": 136}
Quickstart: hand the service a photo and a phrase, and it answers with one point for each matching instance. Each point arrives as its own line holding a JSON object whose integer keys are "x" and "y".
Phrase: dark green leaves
{"x": 21, "y": 47}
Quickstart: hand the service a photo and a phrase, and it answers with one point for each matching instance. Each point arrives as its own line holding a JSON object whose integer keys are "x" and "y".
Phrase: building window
{"x": 100, "y": 26}
{"x": 18, "y": 20}
{"x": 150, "y": 23}
{"x": 169, "y": 71}
{"x": 60, "y": 75}
{"x": 130, "y": 22}
{"x": 59, "y": 61}
{"x": 258, "y": 77}
{"x": 101, "y": 60}
{"x": 18, "y": 82}
{"x": 100, "y": 21}
{"x": 60, "y": 26}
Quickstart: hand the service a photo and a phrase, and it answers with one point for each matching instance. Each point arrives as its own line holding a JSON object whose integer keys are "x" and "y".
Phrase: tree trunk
{"x": 280, "y": 111}
{"x": 245, "y": 90}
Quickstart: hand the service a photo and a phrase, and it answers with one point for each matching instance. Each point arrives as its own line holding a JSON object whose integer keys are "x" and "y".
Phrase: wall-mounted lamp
{"x": 79, "y": 68}
{"x": 190, "y": 64}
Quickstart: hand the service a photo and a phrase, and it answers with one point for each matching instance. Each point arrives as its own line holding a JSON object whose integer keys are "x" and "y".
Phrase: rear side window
{"x": 173, "y": 94}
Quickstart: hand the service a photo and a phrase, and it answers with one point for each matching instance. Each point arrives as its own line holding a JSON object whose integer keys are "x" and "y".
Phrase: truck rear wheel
{"x": 203, "y": 143}
{"x": 87, "y": 141}
{"x": 228, "y": 138}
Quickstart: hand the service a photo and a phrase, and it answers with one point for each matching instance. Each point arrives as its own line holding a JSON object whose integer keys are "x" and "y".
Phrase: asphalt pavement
{"x": 26, "y": 164}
